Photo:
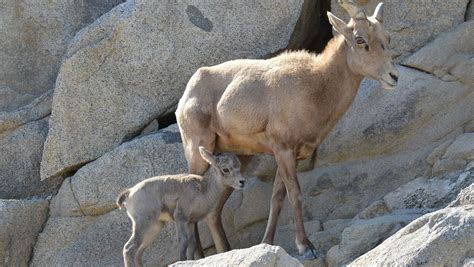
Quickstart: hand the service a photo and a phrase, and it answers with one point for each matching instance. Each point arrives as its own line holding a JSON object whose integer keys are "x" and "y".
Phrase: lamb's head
{"x": 368, "y": 44}
{"x": 226, "y": 166}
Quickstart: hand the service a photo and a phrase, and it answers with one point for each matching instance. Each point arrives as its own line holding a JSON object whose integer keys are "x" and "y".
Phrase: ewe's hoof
{"x": 310, "y": 254}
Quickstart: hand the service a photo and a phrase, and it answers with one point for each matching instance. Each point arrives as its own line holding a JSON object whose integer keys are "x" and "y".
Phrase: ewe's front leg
{"x": 286, "y": 161}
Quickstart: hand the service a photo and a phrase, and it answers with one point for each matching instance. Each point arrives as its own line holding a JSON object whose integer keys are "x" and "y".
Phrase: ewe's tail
{"x": 122, "y": 198}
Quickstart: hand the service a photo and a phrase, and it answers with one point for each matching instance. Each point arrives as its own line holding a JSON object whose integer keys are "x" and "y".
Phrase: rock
{"x": 438, "y": 152}
{"x": 462, "y": 147}
{"x": 34, "y": 37}
{"x": 97, "y": 241}
{"x": 412, "y": 24}
{"x": 132, "y": 65}
{"x": 441, "y": 238}
{"x": 20, "y": 159}
{"x": 153, "y": 126}
{"x": 418, "y": 194}
{"x": 465, "y": 197}
{"x": 470, "y": 11}
{"x": 423, "y": 111}
{"x": 93, "y": 189}
{"x": 447, "y": 165}
{"x": 259, "y": 255}
{"x": 20, "y": 223}
{"x": 36, "y": 110}
{"x": 364, "y": 235}
{"x": 449, "y": 57}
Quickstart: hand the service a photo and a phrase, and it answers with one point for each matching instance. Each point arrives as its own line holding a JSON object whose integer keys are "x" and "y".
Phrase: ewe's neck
{"x": 333, "y": 63}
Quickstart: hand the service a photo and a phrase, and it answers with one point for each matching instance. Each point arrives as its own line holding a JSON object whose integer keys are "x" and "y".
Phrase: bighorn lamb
{"x": 283, "y": 106}
{"x": 184, "y": 198}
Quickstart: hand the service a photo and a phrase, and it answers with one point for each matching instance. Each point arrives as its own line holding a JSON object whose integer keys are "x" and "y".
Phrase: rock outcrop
{"x": 35, "y": 35}
{"x": 261, "y": 255}
{"x": 20, "y": 223}
{"x": 132, "y": 65}
{"x": 444, "y": 237}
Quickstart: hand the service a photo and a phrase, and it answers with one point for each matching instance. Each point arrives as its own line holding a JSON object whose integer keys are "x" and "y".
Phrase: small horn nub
{"x": 352, "y": 9}
{"x": 378, "y": 13}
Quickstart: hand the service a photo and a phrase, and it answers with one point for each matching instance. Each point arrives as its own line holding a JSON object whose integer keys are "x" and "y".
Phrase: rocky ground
{"x": 87, "y": 93}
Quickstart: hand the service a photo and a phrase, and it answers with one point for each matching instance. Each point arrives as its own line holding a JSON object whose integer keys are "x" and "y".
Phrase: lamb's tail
{"x": 122, "y": 198}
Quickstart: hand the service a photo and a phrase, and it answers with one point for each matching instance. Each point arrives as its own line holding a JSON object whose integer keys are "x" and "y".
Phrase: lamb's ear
{"x": 340, "y": 26}
{"x": 207, "y": 156}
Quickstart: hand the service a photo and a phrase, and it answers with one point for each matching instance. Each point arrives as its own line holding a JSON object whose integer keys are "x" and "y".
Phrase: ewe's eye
{"x": 225, "y": 170}
{"x": 383, "y": 47}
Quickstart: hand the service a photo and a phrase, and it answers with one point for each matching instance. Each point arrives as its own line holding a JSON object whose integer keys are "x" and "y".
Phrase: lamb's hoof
{"x": 310, "y": 254}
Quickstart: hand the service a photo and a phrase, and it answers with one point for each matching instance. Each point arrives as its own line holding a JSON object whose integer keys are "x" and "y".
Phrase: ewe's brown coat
{"x": 283, "y": 106}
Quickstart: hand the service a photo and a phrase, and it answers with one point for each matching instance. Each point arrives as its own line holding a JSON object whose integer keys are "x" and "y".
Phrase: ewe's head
{"x": 368, "y": 44}
{"x": 226, "y": 165}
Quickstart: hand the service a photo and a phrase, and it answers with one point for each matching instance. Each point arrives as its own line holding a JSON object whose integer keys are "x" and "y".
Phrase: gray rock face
{"x": 133, "y": 64}
{"x": 36, "y": 110}
{"x": 412, "y": 24}
{"x": 449, "y": 56}
{"x": 261, "y": 255}
{"x": 20, "y": 223}
{"x": 444, "y": 237}
{"x": 383, "y": 218}
{"x": 20, "y": 160}
{"x": 422, "y": 111}
{"x": 34, "y": 37}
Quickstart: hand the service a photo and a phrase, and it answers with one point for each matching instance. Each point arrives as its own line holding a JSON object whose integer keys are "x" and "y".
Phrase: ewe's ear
{"x": 207, "y": 156}
{"x": 340, "y": 26}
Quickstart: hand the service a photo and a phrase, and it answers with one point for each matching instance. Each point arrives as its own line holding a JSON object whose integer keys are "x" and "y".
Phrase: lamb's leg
{"x": 183, "y": 238}
{"x": 191, "y": 242}
{"x": 278, "y": 195}
{"x": 143, "y": 234}
{"x": 214, "y": 222}
{"x": 286, "y": 162}
{"x": 199, "y": 250}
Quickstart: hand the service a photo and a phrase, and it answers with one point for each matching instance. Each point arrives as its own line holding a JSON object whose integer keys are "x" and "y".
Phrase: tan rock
{"x": 20, "y": 223}
{"x": 35, "y": 35}
{"x": 20, "y": 157}
{"x": 260, "y": 255}
{"x": 441, "y": 238}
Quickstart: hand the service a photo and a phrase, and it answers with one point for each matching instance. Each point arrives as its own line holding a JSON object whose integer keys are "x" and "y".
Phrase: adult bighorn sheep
{"x": 283, "y": 106}
{"x": 184, "y": 198}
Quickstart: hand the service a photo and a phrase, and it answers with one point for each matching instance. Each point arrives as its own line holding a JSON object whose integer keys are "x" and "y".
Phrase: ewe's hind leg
{"x": 143, "y": 234}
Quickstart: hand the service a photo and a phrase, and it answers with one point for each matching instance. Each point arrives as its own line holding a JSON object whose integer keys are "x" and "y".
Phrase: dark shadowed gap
{"x": 312, "y": 30}
{"x": 166, "y": 120}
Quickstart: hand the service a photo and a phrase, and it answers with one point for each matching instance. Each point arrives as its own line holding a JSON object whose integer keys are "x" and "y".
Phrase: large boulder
{"x": 20, "y": 157}
{"x": 412, "y": 24}
{"x": 441, "y": 238}
{"x": 132, "y": 65}
{"x": 20, "y": 223}
{"x": 394, "y": 211}
{"x": 35, "y": 35}
{"x": 261, "y": 255}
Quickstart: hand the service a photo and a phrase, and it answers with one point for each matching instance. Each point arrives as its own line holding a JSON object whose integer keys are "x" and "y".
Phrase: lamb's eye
{"x": 225, "y": 170}
{"x": 383, "y": 47}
